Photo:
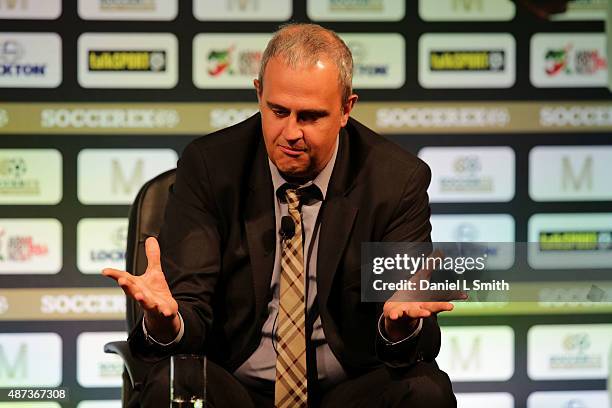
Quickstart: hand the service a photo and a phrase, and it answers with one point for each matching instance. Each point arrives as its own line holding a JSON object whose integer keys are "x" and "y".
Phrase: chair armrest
{"x": 136, "y": 368}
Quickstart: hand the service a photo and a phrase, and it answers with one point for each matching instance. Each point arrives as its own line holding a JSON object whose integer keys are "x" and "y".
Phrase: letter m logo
{"x": 126, "y": 183}
{"x": 467, "y": 5}
{"x": 576, "y": 180}
{"x": 13, "y": 367}
{"x": 465, "y": 358}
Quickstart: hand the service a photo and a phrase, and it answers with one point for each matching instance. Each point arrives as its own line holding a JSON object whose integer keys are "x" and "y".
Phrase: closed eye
{"x": 311, "y": 116}
{"x": 281, "y": 113}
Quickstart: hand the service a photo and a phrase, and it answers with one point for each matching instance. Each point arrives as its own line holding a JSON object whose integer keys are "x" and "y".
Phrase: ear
{"x": 347, "y": 108}
{"x": 257, "y": 89}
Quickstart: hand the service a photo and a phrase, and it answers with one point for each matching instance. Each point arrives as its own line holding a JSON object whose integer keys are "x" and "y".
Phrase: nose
{"x": 292, "y": 131}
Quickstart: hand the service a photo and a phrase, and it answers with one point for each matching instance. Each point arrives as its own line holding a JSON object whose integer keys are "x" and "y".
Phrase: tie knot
{"x": 308, "y": 194}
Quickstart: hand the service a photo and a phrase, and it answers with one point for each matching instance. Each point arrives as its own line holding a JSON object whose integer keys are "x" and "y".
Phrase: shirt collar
{"x": 321, "y": 180}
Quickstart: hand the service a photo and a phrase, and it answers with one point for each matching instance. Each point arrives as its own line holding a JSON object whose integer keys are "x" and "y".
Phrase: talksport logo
{"x": 378, "y": 59}
{"x": 576, "y": 240}
{"x": 577, "y": 352}
{"x": 568, "y": 60}
{"x": 243, "y": 10}
{"x": 30, "y": 246}
{"x": 30, "y": 9}
{"x": 128, "y": 60}
{"x": 30, "y": 176}
{"x": 467, "y": 10}
{"x": 356, "y": 10}
{"x": 466, "y": 60}
{"x": 30, "y": 60}
{"x": 570, "y": 173}
{"x": 477, "y": 353}
{"x": 30, "y": 359}
{"x": 227, "y": 60}
{"x": 470, "y": 174}
{"x": 101, "y": 243}
{"x": 488, "y": 60}
{"x": 128, "y": 9}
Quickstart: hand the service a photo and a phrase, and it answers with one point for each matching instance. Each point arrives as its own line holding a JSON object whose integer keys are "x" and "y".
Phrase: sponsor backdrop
{"x": 511, "y": 113}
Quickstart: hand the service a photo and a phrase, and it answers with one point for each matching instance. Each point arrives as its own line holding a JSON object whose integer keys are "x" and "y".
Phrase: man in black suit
{"x": 216, "y": 286}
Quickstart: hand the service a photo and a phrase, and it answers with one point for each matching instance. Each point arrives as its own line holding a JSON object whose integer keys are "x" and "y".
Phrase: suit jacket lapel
{"x": 337, "y": 218}
{"x": 260, "y": 226}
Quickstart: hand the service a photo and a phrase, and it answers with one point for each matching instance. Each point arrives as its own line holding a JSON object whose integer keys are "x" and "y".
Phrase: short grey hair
{"x": 305, "y": 44}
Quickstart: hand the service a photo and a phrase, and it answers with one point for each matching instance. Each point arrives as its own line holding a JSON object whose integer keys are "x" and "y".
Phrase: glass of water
{"x": 187, "y": 381}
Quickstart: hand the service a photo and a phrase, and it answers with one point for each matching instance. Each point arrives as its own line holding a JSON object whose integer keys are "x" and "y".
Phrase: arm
{"x": 402, "y": 319}
{"x": 179, "y": 281}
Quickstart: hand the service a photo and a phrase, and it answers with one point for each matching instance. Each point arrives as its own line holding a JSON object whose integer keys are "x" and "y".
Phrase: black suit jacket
{"x": 218, "y": 242}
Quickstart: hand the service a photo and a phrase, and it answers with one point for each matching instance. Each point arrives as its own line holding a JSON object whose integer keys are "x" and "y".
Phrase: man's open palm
{"x": 150, "y": 290}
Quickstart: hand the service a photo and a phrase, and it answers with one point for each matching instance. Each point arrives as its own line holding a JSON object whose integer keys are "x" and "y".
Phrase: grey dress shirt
{"x": 259, "y": 370}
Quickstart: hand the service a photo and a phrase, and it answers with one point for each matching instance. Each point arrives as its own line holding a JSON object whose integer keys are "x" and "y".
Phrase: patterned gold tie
{"x": 291, "y": 386}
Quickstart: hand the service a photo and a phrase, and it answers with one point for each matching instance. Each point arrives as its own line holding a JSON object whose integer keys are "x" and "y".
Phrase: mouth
{"x": 291, "y": 151}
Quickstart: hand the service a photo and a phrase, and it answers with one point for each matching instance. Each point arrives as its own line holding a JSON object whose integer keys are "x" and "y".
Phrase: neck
{"x": 299, "y": 180}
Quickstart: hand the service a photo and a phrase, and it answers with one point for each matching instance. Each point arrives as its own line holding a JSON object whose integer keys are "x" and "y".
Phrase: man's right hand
{"x": 151, "y": 291}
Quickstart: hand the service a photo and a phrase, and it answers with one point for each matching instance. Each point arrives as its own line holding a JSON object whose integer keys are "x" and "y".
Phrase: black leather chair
{"x": 145, "y": 219}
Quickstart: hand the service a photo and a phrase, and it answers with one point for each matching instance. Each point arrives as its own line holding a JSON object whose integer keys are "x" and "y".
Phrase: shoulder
{"x": 237, "y": 138}
{"x": 382, "y": 158}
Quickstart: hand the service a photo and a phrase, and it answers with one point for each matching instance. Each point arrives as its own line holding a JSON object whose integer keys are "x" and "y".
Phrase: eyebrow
{"x": 319, "y": 113}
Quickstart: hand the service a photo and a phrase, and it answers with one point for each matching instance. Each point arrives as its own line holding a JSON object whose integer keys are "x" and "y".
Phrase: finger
{"x": 414, "y": 311}
{"x": 436, "y": 307}
{"x": 128, "y": 284}
{"x": 406, "y": 309}
{"x": 153, "y": 253}
{"x": 113, "y": 273}
{"x": 131, "y": 291}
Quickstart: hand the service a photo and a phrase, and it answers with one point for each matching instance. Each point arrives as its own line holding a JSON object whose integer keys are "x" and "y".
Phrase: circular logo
{"x": 4, "y": 118}
{"x": 467, "y": 164}
{"x": 10, "y": 52}
{"x": 16, "y": 167}
{"x": 496, "y": 61}
{"x": 157, "y": 61}
{"x": 466, "y": 233}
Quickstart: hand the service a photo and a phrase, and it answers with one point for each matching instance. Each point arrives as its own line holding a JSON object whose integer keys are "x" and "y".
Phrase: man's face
{"x": 301, "y": 113}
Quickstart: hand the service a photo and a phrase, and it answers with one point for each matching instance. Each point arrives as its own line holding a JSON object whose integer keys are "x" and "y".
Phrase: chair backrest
{"x": 145, "y": 220}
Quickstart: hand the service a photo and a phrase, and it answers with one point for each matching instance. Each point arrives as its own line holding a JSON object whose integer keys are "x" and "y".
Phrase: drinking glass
{"x": 187, "y": 381}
